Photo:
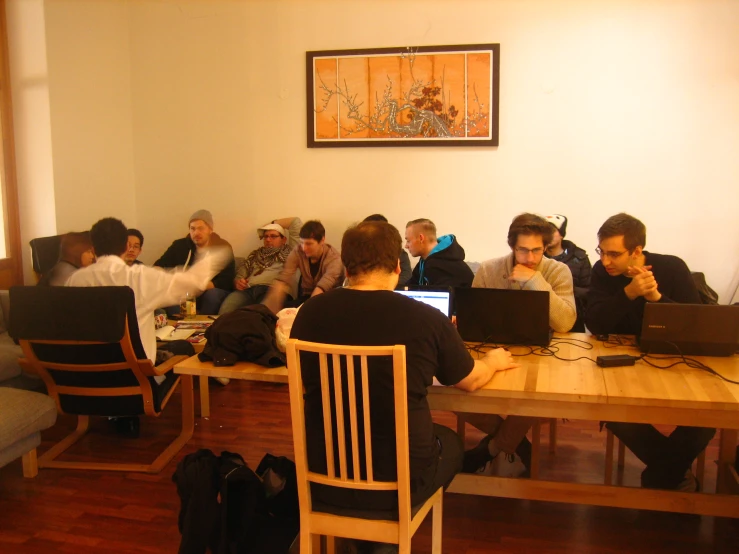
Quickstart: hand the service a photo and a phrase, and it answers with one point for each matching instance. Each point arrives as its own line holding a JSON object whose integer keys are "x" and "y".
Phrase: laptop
{"x": 503, "y": 316}
{"x": 439, "y": 298}
{"x": 690, "y": 329}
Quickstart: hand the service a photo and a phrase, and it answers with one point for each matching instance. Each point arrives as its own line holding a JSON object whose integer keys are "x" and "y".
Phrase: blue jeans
{"x": 246, "y": 297}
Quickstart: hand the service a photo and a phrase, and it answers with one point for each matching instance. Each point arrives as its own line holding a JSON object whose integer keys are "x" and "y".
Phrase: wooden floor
{"x": 101, "y": 512}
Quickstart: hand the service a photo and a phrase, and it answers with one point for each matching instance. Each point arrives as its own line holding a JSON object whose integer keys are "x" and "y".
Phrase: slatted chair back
{"x": 345, "y": 376}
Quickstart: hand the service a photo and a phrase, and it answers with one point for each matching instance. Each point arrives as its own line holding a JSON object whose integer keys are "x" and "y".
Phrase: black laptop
{"x": 690, "y": 329}
{"x": 439, "y": 298}
{"x": 502, "y": 316}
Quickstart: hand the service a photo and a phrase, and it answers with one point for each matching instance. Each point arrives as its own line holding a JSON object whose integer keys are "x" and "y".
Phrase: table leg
{"x": 726, "y": 459}
{"x": 204, "y": 397}
{"x": 535, "y": 448}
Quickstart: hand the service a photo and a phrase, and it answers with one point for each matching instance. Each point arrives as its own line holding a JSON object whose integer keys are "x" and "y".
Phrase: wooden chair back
{"x": 348, "y": 440}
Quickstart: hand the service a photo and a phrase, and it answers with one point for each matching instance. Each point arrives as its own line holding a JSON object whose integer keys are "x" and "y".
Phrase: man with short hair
{"x": 319, "y": 264}
{"x": 405, "y": 261}
{"x": 442, "y": 259}
{"x": 133, "y": 247}
{"x": 525, "y": 268}
{"x": 255, "y": 274}
{"x": 183, "y": 252}
{"x": 358, "y": 315}
{"x": 576, "y": 259}
{"x": 624, "y": 279}
{"x": 153, "y": 287}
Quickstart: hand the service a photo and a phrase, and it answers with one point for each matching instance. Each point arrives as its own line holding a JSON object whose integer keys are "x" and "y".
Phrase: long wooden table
{"x": 552, "y": 388}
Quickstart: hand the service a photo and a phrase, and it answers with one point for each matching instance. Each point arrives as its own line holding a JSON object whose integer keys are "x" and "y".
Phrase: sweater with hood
{"x": 444, "y": 266}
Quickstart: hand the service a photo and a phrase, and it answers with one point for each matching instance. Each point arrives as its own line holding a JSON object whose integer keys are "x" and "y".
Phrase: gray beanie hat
{"x": 202, "y": 215}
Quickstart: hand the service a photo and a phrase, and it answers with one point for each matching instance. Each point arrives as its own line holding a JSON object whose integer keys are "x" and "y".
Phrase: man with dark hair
{"x": 624, "y": 279}
{"x": 525, "y": 268}
{"x": 405, "y": 261}
{"x": 576, "y": 259}
{"x": 153, "y": 287}
{"x": 262, "y": 266}
{"x": 319, "y": 264}
{"x": 359, "y": 315}
{"x": 183, "y": 252}
{"x": 442, "y": 259}
{"x": 133, "y": 247}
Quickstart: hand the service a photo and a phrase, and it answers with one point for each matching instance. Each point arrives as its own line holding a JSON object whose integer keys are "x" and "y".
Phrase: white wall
{"x": 605, "y": 106}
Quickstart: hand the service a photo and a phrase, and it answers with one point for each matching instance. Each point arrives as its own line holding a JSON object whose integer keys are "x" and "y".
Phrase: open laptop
{"x": 439, "y": 298}
{"x": 503, "y": 316}
{"x": 690, "y": 329}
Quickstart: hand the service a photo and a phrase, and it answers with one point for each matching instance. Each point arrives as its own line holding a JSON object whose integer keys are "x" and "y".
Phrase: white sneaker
{"x": 507, "y": 465}
{"x": 223, "y": 380}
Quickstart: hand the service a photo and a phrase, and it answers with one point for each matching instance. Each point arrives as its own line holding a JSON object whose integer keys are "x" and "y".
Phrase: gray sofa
{"x": 24, "y": 413}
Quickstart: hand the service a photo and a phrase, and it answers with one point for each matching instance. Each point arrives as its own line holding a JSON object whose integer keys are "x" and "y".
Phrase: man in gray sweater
{"x": 525, "y": 268}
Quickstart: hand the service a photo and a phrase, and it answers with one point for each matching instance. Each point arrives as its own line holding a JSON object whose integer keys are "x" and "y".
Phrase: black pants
{"x": 372, "y": 504}
{"x": 667, "y": 458}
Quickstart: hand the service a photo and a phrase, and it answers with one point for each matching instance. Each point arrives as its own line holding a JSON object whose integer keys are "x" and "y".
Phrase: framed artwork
{"x": 420, "y": 96}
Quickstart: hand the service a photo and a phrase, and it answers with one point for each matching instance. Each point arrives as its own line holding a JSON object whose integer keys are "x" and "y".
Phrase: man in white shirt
{"x": 153, "y": 287}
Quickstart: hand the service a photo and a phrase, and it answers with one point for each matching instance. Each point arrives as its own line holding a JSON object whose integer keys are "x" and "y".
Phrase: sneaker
{"x": 524, "y": 452}
{"x": 476, "y": 459}
{"x": 689, "y": 484}
{"x": 508, "y": 465}
{"x": 222, "y": 380}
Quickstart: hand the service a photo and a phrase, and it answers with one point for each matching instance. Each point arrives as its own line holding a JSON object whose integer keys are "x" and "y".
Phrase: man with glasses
{"x": 133, "y": 247}
{"x": 262, "y": 266}
{"x": 525, "y": 268}
{"x": 622, "y": 282}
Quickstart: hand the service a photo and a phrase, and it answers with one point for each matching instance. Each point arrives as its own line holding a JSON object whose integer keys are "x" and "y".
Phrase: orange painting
{"x": 442, "y": 95}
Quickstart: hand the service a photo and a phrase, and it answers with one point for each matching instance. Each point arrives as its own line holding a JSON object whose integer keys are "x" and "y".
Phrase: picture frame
{"x": 406, "y": 96}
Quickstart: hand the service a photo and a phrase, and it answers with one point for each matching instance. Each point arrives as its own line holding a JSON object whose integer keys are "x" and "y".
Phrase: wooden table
{"x": 548, "y": 387}
{"x": 246, "y": 371}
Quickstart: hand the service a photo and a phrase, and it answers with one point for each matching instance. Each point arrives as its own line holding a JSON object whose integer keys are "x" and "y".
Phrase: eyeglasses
{"x": 611, "y": 255}
{"x": 526, "y": 251}
{"x": 266, "y": 236}
{"x": 134, "y": 247}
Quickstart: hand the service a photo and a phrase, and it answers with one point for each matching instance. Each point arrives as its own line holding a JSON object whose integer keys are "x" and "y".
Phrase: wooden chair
{"x": 314, "y": 523}
{"x": 45, "y": 254}
{"x": 84, "y": 343}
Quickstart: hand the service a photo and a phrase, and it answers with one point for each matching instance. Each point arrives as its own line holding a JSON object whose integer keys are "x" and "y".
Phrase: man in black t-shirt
{"x": 368, "y": 312}
{"x": 622, "y": 282}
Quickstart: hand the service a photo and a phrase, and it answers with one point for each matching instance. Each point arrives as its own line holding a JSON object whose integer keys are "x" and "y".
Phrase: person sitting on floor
{"x": 183, "y": 252}
{"x": 624, "y": 279}
{"x": 262, "y": 266}
{"x": 359, "y": 314}
{"x": 134, "y": 246}
{"x": 319, "y": 264}
{"x": 75, "y": 251}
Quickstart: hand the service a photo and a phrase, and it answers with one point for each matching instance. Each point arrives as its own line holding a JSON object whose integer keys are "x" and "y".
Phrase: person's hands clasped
{"x": 241, "y": 284}
{"x": 500, "y": 359}
{"x": 521, "y": 273}
{"x": 642, "y": 283}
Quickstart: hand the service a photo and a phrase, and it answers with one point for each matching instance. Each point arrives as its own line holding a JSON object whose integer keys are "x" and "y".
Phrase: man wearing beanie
{"x": 576, "y": 259}
{"x": 183, "y": 253}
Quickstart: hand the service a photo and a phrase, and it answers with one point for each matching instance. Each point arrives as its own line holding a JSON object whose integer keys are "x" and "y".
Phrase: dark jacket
{"x": 609, "y": 310}
{"x": 183, "y": 250}
{"x": 405, "y": 268}
{"x": 443, "y": 267}
{"x": 248, "y": 334}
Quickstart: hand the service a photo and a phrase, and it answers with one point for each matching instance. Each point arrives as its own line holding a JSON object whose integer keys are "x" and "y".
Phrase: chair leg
{"x": 30, "y": 464}
{"x": 436, "y": 523}
{"x": 461, "y": 426}
{"x": 204, "y": 397}
{"x": 608, "y": 478}
{"x": 47, "y": 459}
{"x": 700, "y": 467}
{"x": 535, "y": 449}
{"x": 553, "y": 435}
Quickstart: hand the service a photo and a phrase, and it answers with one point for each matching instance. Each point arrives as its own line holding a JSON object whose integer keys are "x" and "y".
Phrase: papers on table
{"x": 168, "y": 332}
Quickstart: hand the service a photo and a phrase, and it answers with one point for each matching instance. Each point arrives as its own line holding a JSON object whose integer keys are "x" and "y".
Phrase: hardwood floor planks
{"x": 93, "y": 512}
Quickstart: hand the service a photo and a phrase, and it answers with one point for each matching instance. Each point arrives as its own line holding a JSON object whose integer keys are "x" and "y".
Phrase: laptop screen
{"x": 439, "y": 299}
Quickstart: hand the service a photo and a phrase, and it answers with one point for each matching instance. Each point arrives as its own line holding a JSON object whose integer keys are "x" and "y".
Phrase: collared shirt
{"x": 153, "y": 288}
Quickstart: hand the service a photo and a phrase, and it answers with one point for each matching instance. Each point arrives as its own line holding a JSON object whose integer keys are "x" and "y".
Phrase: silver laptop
{"x": 439, "y": 298}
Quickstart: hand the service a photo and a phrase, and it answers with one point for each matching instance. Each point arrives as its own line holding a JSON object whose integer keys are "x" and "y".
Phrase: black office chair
{"x": 84, "y": 343}
{"x": 45, "y": 254}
